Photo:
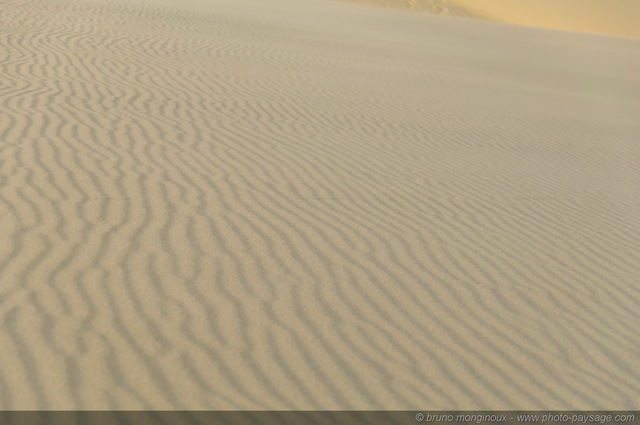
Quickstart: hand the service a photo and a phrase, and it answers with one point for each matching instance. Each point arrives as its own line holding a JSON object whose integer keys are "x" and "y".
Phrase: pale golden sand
{"x": 308, "y": 204}
{"x": 612, "y": 17}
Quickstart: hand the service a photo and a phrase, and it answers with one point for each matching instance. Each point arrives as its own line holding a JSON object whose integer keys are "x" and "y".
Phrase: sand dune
{"x": 611, "y": 17}
{"x": 314, "y": 205}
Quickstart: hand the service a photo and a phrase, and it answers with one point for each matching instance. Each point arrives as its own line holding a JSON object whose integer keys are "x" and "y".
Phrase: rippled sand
{"x": 305, "y": 204}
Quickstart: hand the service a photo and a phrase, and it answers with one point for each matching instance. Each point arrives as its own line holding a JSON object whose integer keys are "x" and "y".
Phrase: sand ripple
{"x": 276, "y": 206}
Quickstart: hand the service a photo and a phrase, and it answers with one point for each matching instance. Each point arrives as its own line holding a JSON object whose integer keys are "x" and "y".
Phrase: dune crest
{"x": 611, "y": 17}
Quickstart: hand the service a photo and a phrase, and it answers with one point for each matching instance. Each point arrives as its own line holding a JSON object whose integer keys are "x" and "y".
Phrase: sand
{"x": 611, "y": 17}
{"x": 306, "y": 204}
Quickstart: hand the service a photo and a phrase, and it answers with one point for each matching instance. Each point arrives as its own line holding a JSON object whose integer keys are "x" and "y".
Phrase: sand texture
{"x": 306, "y": 204}
{"x": 612, "y": 17}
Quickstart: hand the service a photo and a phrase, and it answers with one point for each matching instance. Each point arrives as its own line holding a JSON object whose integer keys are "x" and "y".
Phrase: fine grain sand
{"x": 306, "y": 204}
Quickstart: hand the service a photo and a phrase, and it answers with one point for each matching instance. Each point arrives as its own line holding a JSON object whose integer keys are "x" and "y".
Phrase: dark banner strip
{"x": 319, "y": 417}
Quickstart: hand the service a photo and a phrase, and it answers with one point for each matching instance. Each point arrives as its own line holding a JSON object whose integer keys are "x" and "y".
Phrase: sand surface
{"x": 305, "y": 204}
{"x": 612, "y": 17}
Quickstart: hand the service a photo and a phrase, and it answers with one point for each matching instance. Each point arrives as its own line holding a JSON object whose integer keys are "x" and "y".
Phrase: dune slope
{"x": 314, "y": 205}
